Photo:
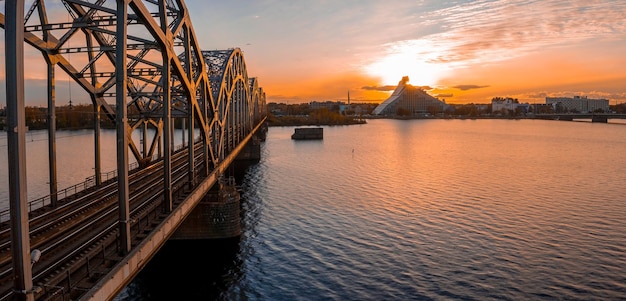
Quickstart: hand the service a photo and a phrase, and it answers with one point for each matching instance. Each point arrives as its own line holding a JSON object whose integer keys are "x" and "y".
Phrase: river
{"x": 418, "y": 210}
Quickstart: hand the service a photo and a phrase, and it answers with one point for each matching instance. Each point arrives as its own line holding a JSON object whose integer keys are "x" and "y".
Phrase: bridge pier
{"x": 216, "y": 216}
{"x": 262, "y": 133}
{"x": 251, "y": 152}
{"x": 599, "y": 118}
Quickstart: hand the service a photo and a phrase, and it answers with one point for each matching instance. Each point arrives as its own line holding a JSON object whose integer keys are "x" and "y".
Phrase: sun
{"x": 407, "y": 58}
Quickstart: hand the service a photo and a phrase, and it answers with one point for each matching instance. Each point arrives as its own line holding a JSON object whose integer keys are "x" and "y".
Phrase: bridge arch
{"x": 164, "y": 63}
{"x": 232, "y": 96}
{"x": 257, "y": 100}
{"x": 80, "y": 38}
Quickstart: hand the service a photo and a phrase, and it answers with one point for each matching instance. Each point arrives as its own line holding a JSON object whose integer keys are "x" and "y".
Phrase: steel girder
{"x": 166, "y": 72}
{"x": 258, "y": 100}
{"x": 79, "y": 37}
{"x": 210, "y": 88}
{"x": 233, "y": 108}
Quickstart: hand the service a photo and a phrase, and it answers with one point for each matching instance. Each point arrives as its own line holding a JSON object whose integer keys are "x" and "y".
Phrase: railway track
{"x": 78, "y": 238}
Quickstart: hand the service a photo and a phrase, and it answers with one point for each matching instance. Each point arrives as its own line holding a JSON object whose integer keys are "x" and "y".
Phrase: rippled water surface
{"x": 418, "y": 210}
{"x": 422, "y": 209}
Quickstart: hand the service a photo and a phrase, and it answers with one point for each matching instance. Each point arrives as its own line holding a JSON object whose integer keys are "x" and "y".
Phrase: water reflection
{"x": 188, "y": 270}
{"x": 422, "y": 209}
{"x": 202, "y": 269}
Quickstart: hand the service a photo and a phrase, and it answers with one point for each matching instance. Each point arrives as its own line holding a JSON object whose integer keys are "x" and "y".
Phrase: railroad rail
{"x": 80, "y": 235}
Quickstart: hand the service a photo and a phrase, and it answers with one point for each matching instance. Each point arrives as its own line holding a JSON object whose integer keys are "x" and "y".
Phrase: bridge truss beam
{"x": 20, "y": 241}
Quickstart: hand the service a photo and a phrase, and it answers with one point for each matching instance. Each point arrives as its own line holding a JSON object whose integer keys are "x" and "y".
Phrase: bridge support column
{"x": 16, "y": 138}
{"x": 167, "y": 137}
{"x": 167, "y": 117}
{"x": 122, "y": 127}
{"x": 191, "y": 153}
{"x": 52, "y": 127}
{"x": 96, "y": 144}
{"x": 190, "y": 112}
{"x": 216, "y": 216}
{"x": 600, "y": 119}
{"x": 262, "y": 133}
{"x": 252, "y": 151}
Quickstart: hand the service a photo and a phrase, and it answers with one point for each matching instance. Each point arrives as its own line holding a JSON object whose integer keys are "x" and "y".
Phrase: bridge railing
{"x": 89, "y": 182}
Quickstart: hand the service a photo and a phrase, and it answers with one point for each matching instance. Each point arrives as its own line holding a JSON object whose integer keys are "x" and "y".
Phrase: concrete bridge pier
{"x": 262, "y": 133}
{"x": 216, "y": 216}
{"x": 599, "y": 118}
{"x": 218, "y": 213}
{"x": 251, "y": 152}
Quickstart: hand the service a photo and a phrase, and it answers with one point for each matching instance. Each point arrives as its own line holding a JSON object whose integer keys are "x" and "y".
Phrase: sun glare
{"x": 412, "y": 58}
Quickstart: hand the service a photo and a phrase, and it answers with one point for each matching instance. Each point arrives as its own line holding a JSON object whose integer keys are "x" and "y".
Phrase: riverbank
{"x": 312, "y": 120}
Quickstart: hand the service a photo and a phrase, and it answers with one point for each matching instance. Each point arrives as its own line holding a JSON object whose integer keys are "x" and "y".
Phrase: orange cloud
{"x": 334, "y": 87}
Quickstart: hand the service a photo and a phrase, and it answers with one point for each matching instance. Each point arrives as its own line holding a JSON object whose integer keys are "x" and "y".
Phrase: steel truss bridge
{"x": 140, "y": 64}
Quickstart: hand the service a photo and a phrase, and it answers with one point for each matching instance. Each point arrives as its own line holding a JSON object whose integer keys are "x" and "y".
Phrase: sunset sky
{"x": 466, "y": 51}
{"x": 460, "y": 51}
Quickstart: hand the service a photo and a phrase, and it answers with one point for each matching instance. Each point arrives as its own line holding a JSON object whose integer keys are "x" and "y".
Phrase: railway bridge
{"x": 140, "y": 65}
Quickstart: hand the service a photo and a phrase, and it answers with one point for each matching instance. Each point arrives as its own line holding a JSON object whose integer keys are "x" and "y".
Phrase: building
{"x": 542, "y": 108}
{"x": 337, "y": 106}
{"x": 499, "y": 104}
{"x": 505, "y": 105}
{"x": 578, "y": 104}
{"x": 410, "y": 99}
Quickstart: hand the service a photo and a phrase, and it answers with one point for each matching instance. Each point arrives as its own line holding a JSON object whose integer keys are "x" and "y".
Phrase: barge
{"x": 308, "y": 134}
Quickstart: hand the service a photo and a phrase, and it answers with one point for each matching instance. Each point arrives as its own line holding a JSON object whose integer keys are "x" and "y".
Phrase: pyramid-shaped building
{"x": 410, "y": 99}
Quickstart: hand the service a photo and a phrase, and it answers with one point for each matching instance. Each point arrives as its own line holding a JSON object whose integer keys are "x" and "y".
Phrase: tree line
{"x": 68, "y": 117}
{"x": 321, "y": 116}
{"x": 281, "y": 114}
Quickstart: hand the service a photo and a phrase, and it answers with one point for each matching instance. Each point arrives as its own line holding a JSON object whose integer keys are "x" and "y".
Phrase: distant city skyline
{"x": 460, "y": 51}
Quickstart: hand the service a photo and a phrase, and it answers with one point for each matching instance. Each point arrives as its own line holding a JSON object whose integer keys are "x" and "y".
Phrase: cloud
{"x": 468, "y": 87}
{"x": 611, "y": 96}
{"x": 487, "y": 32}
{"x": 379, "y": 88}
{"x": 286, "y": 99}
{"x": 391, "y": 88}
{"x": 444, "y": 95}
{"x": 540, "y": 96}
{"x": 537, "y": 95}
